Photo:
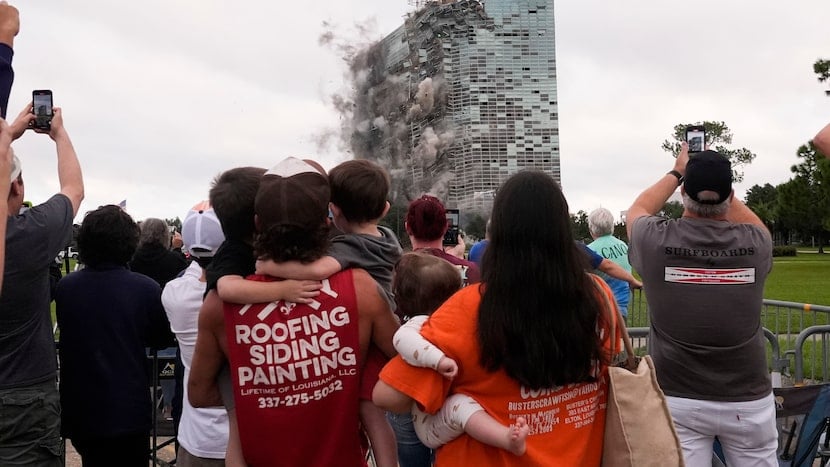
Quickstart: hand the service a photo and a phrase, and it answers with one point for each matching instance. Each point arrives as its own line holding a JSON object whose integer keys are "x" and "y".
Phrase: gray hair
{"x": 707, "y": 210}
{"x": 154, "y": 231}
{"x": 601, "y": 222}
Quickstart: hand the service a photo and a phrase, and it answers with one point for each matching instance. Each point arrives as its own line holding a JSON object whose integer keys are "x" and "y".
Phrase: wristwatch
{"x": 676, "y": 174}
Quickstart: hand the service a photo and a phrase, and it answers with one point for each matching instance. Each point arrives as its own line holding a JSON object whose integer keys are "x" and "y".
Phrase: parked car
{"x": 70, "y": 251}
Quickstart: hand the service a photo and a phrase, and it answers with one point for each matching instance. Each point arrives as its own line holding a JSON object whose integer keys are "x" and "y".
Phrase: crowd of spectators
{"x": 303, "y": 334}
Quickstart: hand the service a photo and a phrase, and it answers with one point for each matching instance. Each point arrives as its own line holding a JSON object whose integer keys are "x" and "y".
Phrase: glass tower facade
{"x": 495, "y": 106}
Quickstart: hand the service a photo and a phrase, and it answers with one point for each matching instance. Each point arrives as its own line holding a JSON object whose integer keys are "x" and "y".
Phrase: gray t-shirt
{"x": 704, "y": 281}
{"x": 33, "y": 240}
{"x": 377, "y": 255}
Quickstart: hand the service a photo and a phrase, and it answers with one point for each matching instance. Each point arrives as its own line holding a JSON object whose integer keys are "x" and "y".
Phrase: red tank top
{"x": 296, "y": 377}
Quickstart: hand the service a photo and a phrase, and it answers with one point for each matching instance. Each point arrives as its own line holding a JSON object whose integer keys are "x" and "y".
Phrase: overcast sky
{"x": 159, "y": 96}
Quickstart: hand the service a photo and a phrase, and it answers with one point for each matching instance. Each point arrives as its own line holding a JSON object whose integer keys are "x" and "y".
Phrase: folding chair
{"x": 809, "y": 407}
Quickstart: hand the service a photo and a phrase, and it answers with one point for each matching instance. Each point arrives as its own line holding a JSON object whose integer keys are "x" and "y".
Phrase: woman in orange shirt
{"x": 530, "y": 342}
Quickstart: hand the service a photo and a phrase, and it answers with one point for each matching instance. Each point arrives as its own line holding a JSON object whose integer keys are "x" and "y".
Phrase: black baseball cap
{"x": 708, "y": 171}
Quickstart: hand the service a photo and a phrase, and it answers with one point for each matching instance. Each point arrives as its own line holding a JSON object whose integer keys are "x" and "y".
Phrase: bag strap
{"x": 612, "y": 313}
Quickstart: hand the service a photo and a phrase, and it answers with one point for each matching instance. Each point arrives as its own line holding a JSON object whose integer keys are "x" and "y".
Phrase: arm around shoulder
{"x": 316, "y": 270}
{"x": 617, "y": 272}
{"x": 236, "y": 289}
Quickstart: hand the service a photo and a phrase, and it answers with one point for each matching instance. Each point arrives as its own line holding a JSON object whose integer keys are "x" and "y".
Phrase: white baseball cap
{"x": 201, "y": 231}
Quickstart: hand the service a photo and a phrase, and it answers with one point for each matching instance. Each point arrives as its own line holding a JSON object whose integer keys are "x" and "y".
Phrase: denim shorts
{"x": 30, "y": 426}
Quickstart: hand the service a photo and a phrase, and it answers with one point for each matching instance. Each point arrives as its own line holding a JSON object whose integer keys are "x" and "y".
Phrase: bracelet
{"x": 676, "y": 174}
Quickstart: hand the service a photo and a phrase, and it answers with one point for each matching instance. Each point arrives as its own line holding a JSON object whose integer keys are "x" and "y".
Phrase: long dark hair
{"x": 539, "y": 311}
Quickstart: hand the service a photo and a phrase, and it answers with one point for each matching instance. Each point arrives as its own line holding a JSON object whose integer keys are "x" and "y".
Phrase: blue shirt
{"x": 477, "y": 251}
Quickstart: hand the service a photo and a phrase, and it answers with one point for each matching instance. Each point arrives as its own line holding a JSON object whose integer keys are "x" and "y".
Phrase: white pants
{"x": 746, "y": 430}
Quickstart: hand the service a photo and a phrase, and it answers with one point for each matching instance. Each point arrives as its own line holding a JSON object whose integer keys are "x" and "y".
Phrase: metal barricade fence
{"x": 798, "y": 336}
{"x": 161, "y": 368}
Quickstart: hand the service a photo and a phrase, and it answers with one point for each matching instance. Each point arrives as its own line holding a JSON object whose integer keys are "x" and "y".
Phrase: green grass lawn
{"x": 801, "y": 278}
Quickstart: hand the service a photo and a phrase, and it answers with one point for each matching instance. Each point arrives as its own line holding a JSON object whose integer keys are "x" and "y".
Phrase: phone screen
{"x": 696, "y": 139}
{"x": 453, "y": 221}
{"x": 42, "y": 108}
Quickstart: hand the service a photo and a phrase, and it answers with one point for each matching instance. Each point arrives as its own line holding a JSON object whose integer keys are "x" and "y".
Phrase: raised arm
{"x": 652, "y": 200}
{"x": 69, "y": 169}
{"x": 5, "y": 173}
{"x": 9, "y": 27}
{"x": 739, "y": 213}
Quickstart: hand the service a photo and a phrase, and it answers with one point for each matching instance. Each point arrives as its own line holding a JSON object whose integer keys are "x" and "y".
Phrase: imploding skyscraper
{"x": 460, "y": 97}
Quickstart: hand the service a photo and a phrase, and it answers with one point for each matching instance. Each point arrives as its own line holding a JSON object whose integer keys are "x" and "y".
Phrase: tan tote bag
{"x": 639, "y": 431}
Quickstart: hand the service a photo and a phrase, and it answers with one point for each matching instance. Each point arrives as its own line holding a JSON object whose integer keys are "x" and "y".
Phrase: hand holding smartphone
{"x": 696, "y": 137}
{"x": 42, "y": 107}
{"x": 454, "y": 221}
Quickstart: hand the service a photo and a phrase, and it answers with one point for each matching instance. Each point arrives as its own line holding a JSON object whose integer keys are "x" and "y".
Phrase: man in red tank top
{"x": 295, "y": 368}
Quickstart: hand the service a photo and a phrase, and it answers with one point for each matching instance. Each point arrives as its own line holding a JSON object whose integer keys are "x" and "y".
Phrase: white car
{"x": 72, "y": 252}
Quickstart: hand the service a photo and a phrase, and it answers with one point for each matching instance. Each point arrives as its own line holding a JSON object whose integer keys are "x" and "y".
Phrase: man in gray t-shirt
{"x": 704, "y": 280}
{"x": 29, "y": 401}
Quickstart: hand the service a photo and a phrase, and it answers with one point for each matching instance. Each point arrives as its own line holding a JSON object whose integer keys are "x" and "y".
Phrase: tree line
{"x": 798, "y": 210}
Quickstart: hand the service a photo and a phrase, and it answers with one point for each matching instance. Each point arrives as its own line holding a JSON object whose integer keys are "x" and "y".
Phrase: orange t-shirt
{"x": 566, "y": 423}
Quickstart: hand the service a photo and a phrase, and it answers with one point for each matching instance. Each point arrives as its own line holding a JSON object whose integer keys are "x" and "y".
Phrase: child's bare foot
{"x": 517, "y": 435}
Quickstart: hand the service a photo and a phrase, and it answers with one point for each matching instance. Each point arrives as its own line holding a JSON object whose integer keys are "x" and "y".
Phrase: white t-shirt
{"x": 202, "y": 432}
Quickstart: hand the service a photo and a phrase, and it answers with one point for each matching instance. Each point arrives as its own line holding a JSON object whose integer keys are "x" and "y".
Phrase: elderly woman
{"x": 605, "y": 244}
{"x": 530, "y": 341}
{"x": 154, "y": 258}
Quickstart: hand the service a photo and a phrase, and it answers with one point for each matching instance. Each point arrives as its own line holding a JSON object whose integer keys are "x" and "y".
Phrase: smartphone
{"x": 42, "y": 108}
{"x": 696, "y": 137}
{"x": 453, "y": 223}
